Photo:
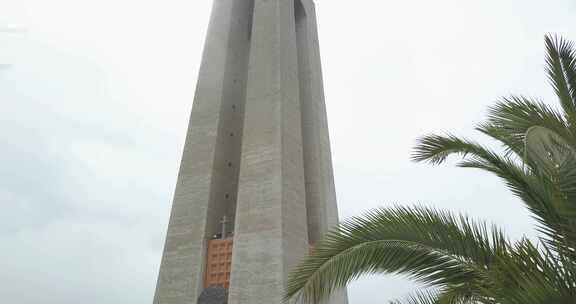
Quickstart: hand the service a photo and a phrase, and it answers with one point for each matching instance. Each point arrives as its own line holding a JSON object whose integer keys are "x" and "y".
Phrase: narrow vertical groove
{"x": 310, "y": 134}
{"x": 228, "y": 149}
{"x": 321, "y": 208}
{"x": 206, "y": 187}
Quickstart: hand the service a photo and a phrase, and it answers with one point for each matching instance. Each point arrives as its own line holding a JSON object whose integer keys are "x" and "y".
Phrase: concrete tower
{"x": 255, "y": 189}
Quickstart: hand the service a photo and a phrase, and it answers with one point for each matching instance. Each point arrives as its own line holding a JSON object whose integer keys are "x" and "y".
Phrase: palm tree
{"x": 467, "y": 261}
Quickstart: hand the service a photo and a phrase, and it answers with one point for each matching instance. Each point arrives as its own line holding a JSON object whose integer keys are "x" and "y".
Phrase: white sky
{"x": 95, "y": 98}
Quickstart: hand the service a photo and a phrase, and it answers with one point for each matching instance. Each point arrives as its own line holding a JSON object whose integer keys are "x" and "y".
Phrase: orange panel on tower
{"x": 219, "y": 263}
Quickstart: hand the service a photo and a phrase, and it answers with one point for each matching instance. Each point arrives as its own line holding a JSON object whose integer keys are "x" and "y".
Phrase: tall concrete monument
{"x": 255, "y": 189}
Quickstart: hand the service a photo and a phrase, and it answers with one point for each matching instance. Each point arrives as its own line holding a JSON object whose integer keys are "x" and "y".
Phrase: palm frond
{"x": 420, "y": 297}
{"x": 546, "y": 149}
{"x": 435, "y": 149}
{"x": 535, "y": 188}
{"x": 440, "y": 296}
{"x": 530, "y": 275}
{"x": 467, "y": 262}
{"x": 567, "y": 54}
{"x": 560, "y": 63}
{"x": 510, "y": 119}
{"x": 435, "y": 248}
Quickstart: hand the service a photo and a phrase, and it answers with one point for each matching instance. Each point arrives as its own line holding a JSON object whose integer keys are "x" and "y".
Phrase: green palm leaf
{"x": 462, "y": 260}
{"x": 445, "y": 296}
{"x": 435, "y": 248}
{"x": 422, "y": 297}
{"x": 541, "y": 193}
{"x": 510, "y": 119}
{"x": 561, "y": 69}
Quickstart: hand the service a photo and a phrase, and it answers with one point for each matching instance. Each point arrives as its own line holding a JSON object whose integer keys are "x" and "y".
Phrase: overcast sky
{"x": 95, "y": 98}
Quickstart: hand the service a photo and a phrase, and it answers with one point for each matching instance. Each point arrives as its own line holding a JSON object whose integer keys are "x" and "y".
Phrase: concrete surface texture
{"x": 257, "y": 151}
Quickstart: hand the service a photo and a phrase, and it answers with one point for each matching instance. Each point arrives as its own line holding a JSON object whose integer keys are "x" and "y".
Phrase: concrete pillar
{"x": 257, "y": 151}
{"x": 271, "y": 226}
{"x": 322, "y": 210}
{"x": 207, "y": 182}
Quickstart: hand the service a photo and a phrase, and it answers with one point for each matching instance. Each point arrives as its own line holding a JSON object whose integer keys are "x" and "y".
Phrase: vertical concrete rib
{"x": 271, "y": 229}
{"x": 321, "y": 205}
{"x": 320, "y": 190}
{"x": 207, "y": 181}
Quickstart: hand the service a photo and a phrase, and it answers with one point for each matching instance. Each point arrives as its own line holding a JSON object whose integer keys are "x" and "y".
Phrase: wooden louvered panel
{"x": 218, "y": 263}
